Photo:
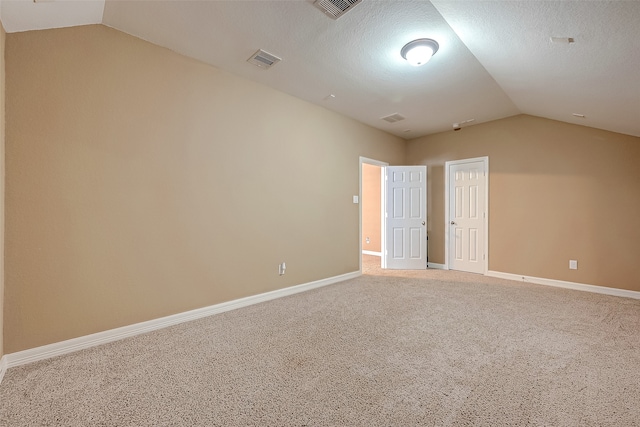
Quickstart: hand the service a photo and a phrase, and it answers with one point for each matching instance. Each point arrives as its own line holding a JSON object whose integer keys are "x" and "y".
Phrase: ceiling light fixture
{"x": 420, "y": 51}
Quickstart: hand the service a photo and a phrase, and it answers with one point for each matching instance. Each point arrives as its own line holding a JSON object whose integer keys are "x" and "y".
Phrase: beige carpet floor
{"x": 430, "y": 348}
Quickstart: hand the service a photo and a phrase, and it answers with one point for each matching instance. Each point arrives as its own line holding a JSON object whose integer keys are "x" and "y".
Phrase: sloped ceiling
{"x": 496, "y": 58}
{"x": 26, "y": 15}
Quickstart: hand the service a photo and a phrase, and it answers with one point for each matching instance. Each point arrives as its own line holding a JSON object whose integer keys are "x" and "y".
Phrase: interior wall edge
{"x": 2, "y": 183}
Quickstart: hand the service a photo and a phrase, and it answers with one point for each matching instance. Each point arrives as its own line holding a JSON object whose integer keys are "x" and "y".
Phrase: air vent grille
{"x": 393, "y": 118}
{"x": 335, "y": 8}
{"x": 263, "y": 59}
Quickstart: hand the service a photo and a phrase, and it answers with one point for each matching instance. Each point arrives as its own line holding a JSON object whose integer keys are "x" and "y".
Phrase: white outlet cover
{"x": 355, "y": 199}
{"x": 573, "y": 264}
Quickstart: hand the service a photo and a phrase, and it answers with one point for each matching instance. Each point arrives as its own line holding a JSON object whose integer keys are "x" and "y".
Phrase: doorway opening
{"x": 393, "y": 214}
{"x": 371, "y": 208}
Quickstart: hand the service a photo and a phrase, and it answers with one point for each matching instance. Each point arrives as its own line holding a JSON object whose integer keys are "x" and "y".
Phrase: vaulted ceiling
{"x": 496, "y": 58}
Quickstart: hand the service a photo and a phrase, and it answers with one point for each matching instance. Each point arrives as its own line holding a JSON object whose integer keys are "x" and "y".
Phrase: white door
{"x": 406, "y": 217}
{"x": 467, "y": 215}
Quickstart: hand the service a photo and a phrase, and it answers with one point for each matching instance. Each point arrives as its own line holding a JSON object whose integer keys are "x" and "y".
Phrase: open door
{"x": 406, "y": 218}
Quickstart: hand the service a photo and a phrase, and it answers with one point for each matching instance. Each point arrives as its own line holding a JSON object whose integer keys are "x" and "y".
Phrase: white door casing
{"x": 406, "y": 217}
{"x": 466, "y": 245}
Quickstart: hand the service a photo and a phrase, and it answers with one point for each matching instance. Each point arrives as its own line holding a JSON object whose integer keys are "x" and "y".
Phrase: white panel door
{"x": 406, "y": 217}
{"x": 467, "y": 217}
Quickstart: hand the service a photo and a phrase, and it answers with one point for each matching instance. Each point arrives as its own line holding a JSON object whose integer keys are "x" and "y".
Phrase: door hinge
{"x": 484, "y": 256}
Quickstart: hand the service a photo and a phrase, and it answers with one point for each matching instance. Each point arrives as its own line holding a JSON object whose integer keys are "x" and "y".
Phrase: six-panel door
{"x": 406, "y": 217}
{"x": 466, "y": 214}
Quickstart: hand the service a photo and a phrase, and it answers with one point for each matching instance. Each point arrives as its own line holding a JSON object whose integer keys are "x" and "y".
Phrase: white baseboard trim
{"x": 436, "y": 266}
{"x": 64, "y": 347}
{"x": 568, "y": 285}
{"x": 371, "y": 253}
{"x": 3, "y": 367}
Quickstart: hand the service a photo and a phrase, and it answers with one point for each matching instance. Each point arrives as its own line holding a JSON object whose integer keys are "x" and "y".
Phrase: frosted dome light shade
{"x": 419, "y": 55}
{"x": 419, "y": 52}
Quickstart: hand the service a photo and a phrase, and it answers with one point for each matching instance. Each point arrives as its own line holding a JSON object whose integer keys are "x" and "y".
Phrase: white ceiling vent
{"x": 335, "y": 8}
{"x": 263, "y": 59}
{"x": 393, "y": 118}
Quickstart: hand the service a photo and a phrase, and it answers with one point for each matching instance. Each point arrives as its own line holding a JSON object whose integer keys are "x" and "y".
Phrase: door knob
{"x": 453, "y": 223}
{"x": 423, "y": 223}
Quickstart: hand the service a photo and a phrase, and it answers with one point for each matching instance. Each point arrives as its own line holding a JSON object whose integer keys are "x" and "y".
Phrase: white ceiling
{"x": 495, "y": 59}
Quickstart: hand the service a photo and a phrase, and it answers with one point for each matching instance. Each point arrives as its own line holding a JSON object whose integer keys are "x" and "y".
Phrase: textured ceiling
{"x": 495, "y": 59}
{"x": 25, "y": 15}
{"x": 597, "y": 76}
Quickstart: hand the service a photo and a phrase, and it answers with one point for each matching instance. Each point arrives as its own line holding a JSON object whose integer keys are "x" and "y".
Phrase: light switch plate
{"x": 355, "y": 199}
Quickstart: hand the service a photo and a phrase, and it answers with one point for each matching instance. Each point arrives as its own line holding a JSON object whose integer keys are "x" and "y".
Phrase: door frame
{"x": 383, "y": 165}
{"x": 447, "y": 188}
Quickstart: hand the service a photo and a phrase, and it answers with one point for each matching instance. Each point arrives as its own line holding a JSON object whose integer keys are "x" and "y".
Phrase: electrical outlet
{"x": 573, "y": 264}
{"x": 368, "y": 241}
{"x": 282, "y": 268}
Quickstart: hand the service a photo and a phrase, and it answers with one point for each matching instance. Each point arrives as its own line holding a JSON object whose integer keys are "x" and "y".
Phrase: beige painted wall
{"x": 371, "y": 217}
{"x": 557, "y": 192}
{"x": 141, "y": 183}
{"x": 2, "y": 126}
